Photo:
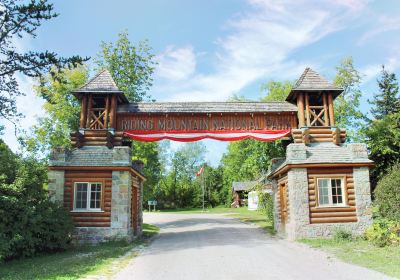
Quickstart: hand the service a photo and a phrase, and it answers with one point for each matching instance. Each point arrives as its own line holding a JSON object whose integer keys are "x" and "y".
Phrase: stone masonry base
{"x": 94, "y": 235}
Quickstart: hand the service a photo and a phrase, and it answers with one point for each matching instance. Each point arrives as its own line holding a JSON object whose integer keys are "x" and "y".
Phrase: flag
{"x": 199, "y": 172}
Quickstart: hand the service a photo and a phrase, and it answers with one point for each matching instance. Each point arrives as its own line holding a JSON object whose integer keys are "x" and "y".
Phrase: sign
{"x": 206, "y": 122}
{"x": 152, "y": 202}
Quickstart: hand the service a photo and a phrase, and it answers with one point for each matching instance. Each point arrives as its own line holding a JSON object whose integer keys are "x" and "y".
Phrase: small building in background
{"x": 240, "y": 190}
{"x": 244, "y": 193}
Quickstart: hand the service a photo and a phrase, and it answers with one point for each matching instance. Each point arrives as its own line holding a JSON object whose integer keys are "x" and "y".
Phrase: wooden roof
{"x": 322, "y": 153}
{"x": 312, "y": 81}
{"x": 207, "y": 107}
{"x": 102, "y": 83}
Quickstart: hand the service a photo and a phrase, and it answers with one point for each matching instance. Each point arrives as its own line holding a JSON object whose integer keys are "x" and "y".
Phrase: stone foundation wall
{"x": 121, "y": 202}
{"x": 94, "y": 235}
{"x": 276, "y": 206}
{"x": 299, "y": 216}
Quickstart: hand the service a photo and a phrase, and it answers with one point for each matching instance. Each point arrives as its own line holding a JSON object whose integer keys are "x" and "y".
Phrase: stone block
{"x": 358, "y": 150}
{"x": 296, "y": 152}
{"x": 122, "y": 155}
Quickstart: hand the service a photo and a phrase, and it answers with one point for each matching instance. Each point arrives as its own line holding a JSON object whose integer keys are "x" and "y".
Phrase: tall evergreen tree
{"x": 383, "y": 132}
{"x": 386, "y": 101}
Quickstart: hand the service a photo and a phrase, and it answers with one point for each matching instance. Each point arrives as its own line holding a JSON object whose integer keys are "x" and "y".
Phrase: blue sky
{"x": 209, "y": 50}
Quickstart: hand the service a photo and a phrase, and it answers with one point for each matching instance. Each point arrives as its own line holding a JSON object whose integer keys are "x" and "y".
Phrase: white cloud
{"x": 257, "y": 44}
{"x": 382, "y": 25}
{"x": 372, "y": 71}
{"x": 176, "y": 63}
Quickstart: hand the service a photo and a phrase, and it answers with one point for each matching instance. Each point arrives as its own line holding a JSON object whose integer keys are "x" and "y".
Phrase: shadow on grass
{"x": 75, "y": 262}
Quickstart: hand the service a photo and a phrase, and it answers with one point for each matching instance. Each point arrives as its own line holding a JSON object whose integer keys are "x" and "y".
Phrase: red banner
{"x": 196, "y": 135}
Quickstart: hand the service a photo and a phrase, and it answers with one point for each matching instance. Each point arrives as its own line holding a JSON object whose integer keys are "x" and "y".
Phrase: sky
{"x": 210, "y": 50}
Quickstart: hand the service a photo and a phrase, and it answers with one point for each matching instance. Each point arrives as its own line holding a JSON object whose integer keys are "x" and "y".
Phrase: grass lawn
{"x": 363, "y": 253}
{"x": 242, "y": 214}
{"x": 77, "y": 262}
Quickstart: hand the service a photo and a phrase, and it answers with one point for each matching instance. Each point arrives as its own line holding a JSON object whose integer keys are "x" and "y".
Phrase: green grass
{"x": 363, "y": 253}
{"x": 77, "y": 262}
{"x": 243, "y": 214}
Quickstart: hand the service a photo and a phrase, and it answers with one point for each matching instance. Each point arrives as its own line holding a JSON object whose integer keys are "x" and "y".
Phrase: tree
{"x": 18, "y": 19}
{"x": 383, "y": 140}
{"x": 213, "y": 184}
{"x": 9, "y": 163}
{"x": 237, "y": 98}
{"x": 131, "y": 66}
{"x": 383, "y": 133}
{"x": 61, "y": 107}
{"x": 180, "y": 188}
{"x": 148, "y": 152}
{"x": 347, "y": 113}
{"x": 387, "y": 101}
{"x": 276, "y": 91}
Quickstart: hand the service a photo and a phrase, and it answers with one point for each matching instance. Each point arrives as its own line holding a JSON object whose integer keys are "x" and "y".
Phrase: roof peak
{"x": 311, "y": 80}
{"x": 101, "y": 82}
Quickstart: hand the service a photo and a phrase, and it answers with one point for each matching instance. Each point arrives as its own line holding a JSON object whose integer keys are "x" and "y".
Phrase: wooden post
{"x": 89, "y": 110}
{"x": 83, "y": 112}
{"x": 326, "y": 116}
{"x": 300, "y": 108}
{"x": 308, "y": 109}
{"x": 107, "y": 112}
{"x": 113, "y": 111}
{"x": 331, "y": 113}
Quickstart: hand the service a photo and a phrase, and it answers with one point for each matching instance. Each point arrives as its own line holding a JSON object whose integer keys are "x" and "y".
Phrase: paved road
{"x": 213, "y": 246}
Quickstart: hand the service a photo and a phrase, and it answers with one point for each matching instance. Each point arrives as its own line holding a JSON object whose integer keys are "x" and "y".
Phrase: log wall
{"x": 89, "y": 219}
{"x": 318, "y": 135}
{"x": 340, "y": 214}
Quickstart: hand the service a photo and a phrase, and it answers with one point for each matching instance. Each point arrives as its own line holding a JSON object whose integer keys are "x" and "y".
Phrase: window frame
{"x": 88, "y": 195}
{"x": 330, "y": 197}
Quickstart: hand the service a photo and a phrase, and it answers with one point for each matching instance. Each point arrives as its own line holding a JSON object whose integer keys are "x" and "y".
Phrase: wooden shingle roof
{"x": 207, "y": 107}
{"x": 313, "y": 82}
{"x": 102, "y": 82}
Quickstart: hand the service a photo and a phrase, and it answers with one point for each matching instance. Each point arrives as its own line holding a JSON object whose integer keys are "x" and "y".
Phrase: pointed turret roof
{"x": 312, "y": 81}
{"x": 102, "y": 83}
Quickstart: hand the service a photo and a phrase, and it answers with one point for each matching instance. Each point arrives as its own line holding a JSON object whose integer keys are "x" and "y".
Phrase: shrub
{"x": 384, "y": 232}
{"x": 342, "y": 235}
{"x": 387, "y": 195}
{"x": 266, "y": 205}
{"x": 29, "y": 222}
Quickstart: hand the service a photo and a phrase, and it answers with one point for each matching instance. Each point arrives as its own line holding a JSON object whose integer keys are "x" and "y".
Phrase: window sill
{"x": 87, "y": 211}
{"x": 333, "y": 206}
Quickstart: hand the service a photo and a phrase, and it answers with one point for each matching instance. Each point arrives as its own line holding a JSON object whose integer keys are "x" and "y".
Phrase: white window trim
{"x": 88, "y": 209}
{"x": 344, "y": 194}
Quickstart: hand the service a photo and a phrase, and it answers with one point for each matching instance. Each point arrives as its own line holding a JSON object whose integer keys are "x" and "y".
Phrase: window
{"x": 330, "y": 192}
{"x": 87, "y": 196}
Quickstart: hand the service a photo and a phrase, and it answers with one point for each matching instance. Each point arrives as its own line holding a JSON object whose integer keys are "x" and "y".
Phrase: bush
{"x": 29, "y": 222}
{"x": 266, "y": 205}
{"x": 384, "y": 232}
{"x": 342, "y": 235}
{"x": 387, "y": 195}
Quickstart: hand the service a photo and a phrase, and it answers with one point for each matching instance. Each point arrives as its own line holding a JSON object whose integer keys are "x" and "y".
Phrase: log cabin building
{"x": 321, "y": 185}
